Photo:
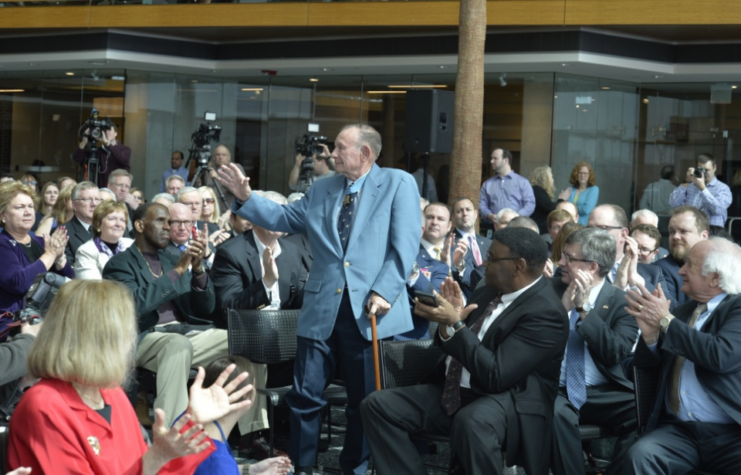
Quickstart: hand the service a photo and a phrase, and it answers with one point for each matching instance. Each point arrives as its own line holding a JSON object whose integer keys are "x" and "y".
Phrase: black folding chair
{"x": 269, "y": 337}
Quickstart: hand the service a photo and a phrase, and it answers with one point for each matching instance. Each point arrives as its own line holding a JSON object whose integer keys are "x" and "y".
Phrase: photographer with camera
{"x": 98, "y": 140}
{"x": 312, "y": 163}
{"x": 704, "y": 191}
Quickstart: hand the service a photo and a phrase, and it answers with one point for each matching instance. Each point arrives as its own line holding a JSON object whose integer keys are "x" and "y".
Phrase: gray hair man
{"x": 696, "y": 351}
{"x": 593, "y": 388}
{"x": 85, "y": 198}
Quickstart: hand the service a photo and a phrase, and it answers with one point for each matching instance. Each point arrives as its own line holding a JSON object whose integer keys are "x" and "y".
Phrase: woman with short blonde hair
{"x": 211, "y": 210}
{"x": 77, "y": 419}
{"x": 109, "y": 229}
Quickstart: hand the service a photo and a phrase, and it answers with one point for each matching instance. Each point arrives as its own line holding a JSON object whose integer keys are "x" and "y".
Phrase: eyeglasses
{"x": 89, "y": 200}
{"x": 208, "y": 201}
{"x": 123, "y": 186}
{"x": 29, "y": 182}
{"x": 645, "y": 250}
{"x": 177, "y": 223}
{"x": 605, "y": 227}
{"x": 570, "y": 259}
{"x": 195, "y": 204}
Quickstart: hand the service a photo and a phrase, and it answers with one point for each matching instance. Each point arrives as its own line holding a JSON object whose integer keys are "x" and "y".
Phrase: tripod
{"x": 92, "y": 163}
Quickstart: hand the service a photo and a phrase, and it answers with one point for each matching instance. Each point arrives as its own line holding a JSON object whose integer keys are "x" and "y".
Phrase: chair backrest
{"x": 646, "y": 383}
{"x": 263, "y": 336}
{"x": 405, "y": 363}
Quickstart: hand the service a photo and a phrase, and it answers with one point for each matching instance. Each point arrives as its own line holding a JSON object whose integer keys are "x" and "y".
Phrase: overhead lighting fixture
{"x": 326, "y": 69}
{"x": 386, "y": 92}
{"x": 313, "y": 79}
{"x": 734, "y": 87}
{"x": 441, "y": 67}
{"x": 251, "y": 89}
{"x": 605, "y": 88}
{"x": 12, "y": 90}
{"x": 118, "y": 78}
{"x": 419, "y": 86}
{"x": 69, "y": 74}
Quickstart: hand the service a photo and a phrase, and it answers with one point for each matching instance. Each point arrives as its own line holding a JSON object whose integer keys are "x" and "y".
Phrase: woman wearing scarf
{"x": 109, "y": 226}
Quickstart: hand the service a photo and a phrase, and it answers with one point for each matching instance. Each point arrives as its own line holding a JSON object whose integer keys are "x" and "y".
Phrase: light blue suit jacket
{"x": 380, "y": 254}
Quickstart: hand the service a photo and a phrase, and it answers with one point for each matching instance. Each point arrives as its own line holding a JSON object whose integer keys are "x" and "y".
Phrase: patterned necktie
{"x": 344, "y": 223}
{"x": 182, "y": 248}
{"x": 438, "y": 253}
{"x": 451, "y": 400}
{"x": 676, "y": 375}
{"x": 576, "y": 385}
{"x": 613, "y": 272}
{"x": 475, "y": 250}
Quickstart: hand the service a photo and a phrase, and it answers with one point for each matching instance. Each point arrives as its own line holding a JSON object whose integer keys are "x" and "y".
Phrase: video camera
{"x": 95, "y": 126}
{"x": 308, "y": 145}
{"x": 201, "y": 138}
{"x": 39, "y": 297}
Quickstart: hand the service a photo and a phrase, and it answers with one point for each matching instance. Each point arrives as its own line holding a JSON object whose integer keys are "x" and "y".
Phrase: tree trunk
{"x": 465, "y": 162}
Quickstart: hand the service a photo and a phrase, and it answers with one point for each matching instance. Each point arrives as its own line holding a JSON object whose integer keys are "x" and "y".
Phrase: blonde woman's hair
{"x": 214, "y": 218}
{"x": 59, "y": 210}
{"x": 543, "y": 177}
{"x": 88, "y": 336}
{"x": 104, "y": 209}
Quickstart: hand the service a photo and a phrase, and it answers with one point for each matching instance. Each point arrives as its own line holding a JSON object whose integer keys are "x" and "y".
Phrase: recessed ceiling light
{"x": 605, "y": 88}
{"x": 33, "y": 64}
{"x": 118, "y": 78}
{"x": 326, "y": 69}
{"x": 419, "y": 86}
{"x": 12, "y": 90}
{"x": 441, "y": 67}
{"x": 252, "y": 89}
{"x": 734, "y": 87}
{"x": 69, "y": 74}
{"x": 656, "y": 76}
{"x": 386, "y": 92}
{"x": 313, "y": 79}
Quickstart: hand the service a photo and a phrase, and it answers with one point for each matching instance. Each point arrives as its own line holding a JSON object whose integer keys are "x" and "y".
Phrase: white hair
{"x": 647, "y": 214}
{"x": 273, "y": 196}
{"x": 503, "y": 211}
{"x": 108, "y": 190}
{"x": 724, "y": 258}
{"x": 185, "y": 190}
{"x": 174, "y": 177}
{"x": 295, "y": 196}
{"x": 165, "y": 196}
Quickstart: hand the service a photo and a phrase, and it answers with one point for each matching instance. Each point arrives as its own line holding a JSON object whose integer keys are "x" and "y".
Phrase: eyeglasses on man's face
{"x": 87, "y": 201}
{"x": 569, "y": 259}
{"x": 177, "y": 223}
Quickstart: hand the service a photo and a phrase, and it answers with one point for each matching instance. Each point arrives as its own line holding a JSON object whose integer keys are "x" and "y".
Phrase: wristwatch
{"x": 665, "y": 321}
{"x": 586, "y": 308}
{"x": 451, "y": 329}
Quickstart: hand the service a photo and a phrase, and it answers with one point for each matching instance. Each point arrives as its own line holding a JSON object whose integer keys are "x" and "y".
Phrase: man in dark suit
{"x": 696, "y": 419}
{"x": 624, "y": 274}
{"x": 363, "y": 228}
{"x": 84, "y": 201}
{"x": 427, "y": 275}
{"x": 687, "y": 226}
{"x": 172, "y": 306}
{"x": 464, "y": 218}
{"x": 593, "y": 388}
{"x": 501, "y": 372}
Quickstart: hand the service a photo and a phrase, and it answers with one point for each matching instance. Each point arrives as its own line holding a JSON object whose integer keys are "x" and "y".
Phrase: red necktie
{"x": 475, "y": 249}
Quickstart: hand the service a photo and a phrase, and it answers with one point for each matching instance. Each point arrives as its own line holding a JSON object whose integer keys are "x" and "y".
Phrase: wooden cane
{"x": 376, "y": 363}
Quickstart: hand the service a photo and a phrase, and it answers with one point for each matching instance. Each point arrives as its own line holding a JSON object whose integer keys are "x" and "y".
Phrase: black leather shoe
{"x": 258, "y": 449}
{"x": 304, "y": 471}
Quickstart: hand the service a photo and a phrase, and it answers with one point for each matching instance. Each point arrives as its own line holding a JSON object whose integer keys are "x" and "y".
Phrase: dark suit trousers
{"x": 477, "y": 431}
{"x": 314, "y": 369}
{"x": 676, "y": 447}
{"x": 605, "y": 406}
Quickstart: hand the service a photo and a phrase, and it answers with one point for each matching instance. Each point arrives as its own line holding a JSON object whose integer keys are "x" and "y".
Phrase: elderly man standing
{"x": 593, "y": 386}
{"x": 494, "y": 391}
{"x": 506, "y": 189}
{"x": 363, "y": 225}
{"x": 696, "y": 419}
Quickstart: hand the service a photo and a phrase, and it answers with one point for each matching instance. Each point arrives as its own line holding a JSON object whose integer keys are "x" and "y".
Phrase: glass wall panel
{"x": 595, "y": 121}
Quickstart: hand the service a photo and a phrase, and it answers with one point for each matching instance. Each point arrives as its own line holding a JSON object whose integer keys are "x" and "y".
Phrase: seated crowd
{"x": 540, "y": 322}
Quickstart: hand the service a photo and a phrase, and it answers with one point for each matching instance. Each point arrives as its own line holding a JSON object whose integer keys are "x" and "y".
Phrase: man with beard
{"x": 687, "y": 226}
